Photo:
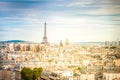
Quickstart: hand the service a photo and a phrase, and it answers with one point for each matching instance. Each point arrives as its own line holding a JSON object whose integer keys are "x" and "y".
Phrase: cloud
{"x": 79, "y": 4}
{"x": 117, "y": 18}
{"x": 105, "y": 11}
{"x": 11, "y": 29}
{"x": 88, "y": 19}
{"x": 115, "y": 2}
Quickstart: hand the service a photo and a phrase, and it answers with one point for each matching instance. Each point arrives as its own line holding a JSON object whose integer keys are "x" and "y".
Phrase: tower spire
{"x": 44, "y": 41}
{"x": 45, "y": 30}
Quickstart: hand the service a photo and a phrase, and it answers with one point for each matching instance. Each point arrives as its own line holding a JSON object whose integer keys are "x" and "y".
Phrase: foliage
{"x": 112, "y": 47}
{"x": 29, "y": 74}
{"x": 35, "y": 73}
{"x": 39, "y": 71}
{"x": 79, "y": 68}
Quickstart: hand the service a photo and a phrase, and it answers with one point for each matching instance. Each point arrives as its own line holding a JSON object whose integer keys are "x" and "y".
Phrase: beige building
{"x": 117, "y": 62}
{"x": 11, "y": 46}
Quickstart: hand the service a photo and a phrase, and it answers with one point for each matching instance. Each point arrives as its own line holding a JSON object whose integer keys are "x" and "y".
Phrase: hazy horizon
{"x": 77, "y": 20}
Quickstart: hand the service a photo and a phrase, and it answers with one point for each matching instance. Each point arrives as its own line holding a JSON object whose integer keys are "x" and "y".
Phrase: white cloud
{"x": 113, "y": 2}
{"x": 117, "y": 18}
{"x": 79, "y": 29}
{"x": 105, "y": 11}
{"x": 7, "y": 29}
{"x": 62, "y": 24}
{"x": 79, "y": 4}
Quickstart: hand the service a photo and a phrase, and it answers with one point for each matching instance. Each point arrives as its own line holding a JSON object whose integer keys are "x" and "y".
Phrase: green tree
{"x": 40, "y": 71}
{"x": 35, "y": 73}
{"x": 27, "y": 74}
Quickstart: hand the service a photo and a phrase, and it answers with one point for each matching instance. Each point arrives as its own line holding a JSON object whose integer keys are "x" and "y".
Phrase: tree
{"x": 27, "y": 74}
{"x": 39, "y": 72}
{"x": 35, "y": 73}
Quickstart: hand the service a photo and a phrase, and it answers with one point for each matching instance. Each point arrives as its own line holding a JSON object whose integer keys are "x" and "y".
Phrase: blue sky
{"x": 77, "y": 20}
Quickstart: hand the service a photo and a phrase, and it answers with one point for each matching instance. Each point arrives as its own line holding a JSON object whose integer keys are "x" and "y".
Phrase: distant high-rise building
{"x": 107, "y": 43}
{"x": 61, "y": 44}
{"x": 119, "y": 43}
{"x": 67, "y": 42}
{"x": 45, "y": 41}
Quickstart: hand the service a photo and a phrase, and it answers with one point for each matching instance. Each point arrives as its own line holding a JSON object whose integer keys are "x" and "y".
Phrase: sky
{"x": 77, "y": 20}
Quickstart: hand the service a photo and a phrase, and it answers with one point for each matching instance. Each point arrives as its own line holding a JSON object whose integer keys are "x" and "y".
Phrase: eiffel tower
{"x": 45, "y": 41}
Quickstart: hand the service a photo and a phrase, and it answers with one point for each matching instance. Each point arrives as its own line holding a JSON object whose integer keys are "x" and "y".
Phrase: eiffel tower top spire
{"x": 45, "y": 30}
{"x": 44, "y": 41}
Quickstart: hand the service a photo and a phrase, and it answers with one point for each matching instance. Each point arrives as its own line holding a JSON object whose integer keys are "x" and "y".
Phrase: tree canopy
{"x": 31, "y": 74}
